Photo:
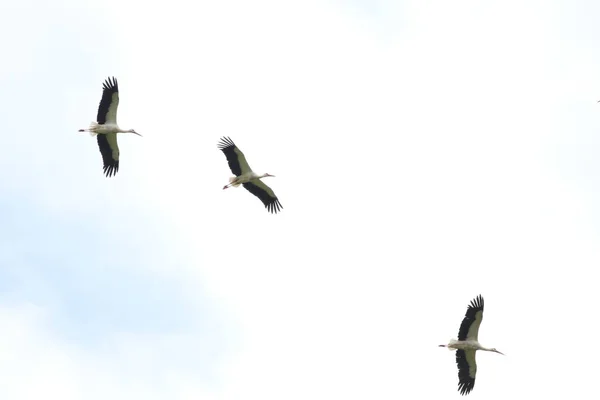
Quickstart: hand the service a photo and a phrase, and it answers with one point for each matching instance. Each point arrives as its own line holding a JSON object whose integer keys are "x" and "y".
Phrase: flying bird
{"x": 246, "y": 177}
{"x": 105, "y": 128}
{"x": 467, "y": 345}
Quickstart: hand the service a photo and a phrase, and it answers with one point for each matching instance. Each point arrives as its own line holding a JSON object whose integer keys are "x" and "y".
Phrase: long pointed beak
{"x": 136, "y": 133}
{"x": 499, "y": 352}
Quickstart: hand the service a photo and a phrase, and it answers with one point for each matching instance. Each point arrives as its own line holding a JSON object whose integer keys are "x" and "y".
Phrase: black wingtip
{"x": 225, "y": 143}
{"x": 477, "y": 302}
{"x": 274, "y": 207}
{"x": 110, "y": 84}
{"x": 111, "y": 169}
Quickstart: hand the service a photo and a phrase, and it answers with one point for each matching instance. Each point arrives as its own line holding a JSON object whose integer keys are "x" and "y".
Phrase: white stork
{"x": 246, "y": 177}
{"x": 467, "y": 345}
{"x": 105, "y": 128}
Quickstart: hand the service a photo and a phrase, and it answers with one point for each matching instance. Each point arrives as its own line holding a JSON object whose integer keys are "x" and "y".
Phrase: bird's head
{"x": 496, "y": 351}
{"x": 268, "y": 175}
{"x": 133, "y": 131}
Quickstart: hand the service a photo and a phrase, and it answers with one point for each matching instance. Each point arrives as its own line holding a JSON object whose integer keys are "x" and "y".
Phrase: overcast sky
{"x": 425, "y": 152}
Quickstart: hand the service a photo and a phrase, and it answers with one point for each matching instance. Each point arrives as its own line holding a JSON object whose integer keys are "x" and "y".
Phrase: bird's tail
{"x": 451, "y": 342}
{"x": 93, "y": 126}
{"x": 231, "y": 179}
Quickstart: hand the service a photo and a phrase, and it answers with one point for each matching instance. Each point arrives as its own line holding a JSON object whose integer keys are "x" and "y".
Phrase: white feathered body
{"x": 454, "y": 344}
{"x": 103, "y": 129}
{"x": 236, "y": 181}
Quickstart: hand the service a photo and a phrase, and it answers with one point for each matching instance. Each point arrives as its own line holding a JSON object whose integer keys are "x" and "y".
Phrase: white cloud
{"x": 37, "y": 362}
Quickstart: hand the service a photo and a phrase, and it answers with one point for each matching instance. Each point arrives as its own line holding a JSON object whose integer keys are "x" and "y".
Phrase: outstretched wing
{"x": 107, "y": 110}
{"x": 469, "y": 328}
{"x": 467, "y": 369}
{"x": 265, "y": 194}
{"x": 235, "y": 157}
{"x": 110, "y": 153}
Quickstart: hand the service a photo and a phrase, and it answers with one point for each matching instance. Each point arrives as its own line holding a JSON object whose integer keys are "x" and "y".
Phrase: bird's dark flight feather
{"x": 228, "y": 147}
{"x": 110, "y": 87}
{"x": 466, "y": 383}
{"x": 475, "y": 306}
{"x": 111, "y": 166}
{"x": 271, "y": 203}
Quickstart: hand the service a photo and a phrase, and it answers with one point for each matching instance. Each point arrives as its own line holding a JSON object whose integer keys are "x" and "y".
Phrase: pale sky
{"x": 425, "y": 152}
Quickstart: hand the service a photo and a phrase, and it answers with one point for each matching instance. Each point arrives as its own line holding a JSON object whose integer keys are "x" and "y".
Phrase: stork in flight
{"x": 246, "y": 177}
{"x": 467, "y": 345}
{"x": 105, "y": 128}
